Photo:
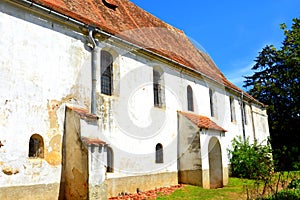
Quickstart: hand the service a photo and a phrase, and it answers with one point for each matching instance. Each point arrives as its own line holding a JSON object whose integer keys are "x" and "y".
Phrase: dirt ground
{"x": 151, "y": 194}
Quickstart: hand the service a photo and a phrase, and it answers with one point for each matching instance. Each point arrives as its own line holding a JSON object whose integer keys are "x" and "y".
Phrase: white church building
{"x": 99, "y": 97}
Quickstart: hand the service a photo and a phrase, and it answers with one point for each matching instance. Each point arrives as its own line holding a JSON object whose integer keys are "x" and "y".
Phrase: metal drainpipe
{"x": 94, "y": 70}
{"x": 243, "y": 117}
{"x": 253, "y": 125}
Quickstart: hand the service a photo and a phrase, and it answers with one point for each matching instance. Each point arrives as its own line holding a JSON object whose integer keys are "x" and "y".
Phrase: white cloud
{"x": 236, "y": 75}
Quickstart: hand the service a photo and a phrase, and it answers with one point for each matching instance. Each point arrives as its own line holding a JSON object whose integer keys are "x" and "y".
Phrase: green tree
{"x": 275, "y": 82}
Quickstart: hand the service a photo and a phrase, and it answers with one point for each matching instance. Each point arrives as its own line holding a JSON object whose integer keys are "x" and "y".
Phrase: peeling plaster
{"x": 53, "y": 151}
{"x": 53, "y": 156}
{"x": 10, "y": 170}
{"x": 53, "y": 106}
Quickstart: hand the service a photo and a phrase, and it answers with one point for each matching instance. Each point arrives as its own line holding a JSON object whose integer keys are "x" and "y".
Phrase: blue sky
{"x": 232, "y": 32}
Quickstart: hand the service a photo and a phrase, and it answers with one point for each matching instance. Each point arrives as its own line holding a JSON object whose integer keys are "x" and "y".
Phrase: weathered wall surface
{"x": 189, "y": 152}
{"x": 75, "y": 168}
{"x": 42, "y": 68}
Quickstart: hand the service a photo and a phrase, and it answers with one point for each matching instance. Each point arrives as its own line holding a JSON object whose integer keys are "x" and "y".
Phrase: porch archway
{"x": 215, "y": 163}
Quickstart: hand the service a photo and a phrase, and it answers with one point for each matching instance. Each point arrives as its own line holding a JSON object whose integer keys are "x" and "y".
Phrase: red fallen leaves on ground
{"x": 151, "y": 194}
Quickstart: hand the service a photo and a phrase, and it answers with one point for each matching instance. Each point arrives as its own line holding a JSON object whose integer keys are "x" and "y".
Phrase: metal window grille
{"x": 106, "y": 73}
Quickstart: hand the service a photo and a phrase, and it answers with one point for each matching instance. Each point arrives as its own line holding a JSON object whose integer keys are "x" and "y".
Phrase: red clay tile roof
{"x": 202, "y": 121}
{"x": 129, "y": 22}
{"x": 93, "y": 141}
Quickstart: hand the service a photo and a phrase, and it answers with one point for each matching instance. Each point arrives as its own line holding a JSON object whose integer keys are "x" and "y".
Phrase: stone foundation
{"x": 192, "y": 177}
{"x": 98, "y": 192}
{"x": 225, "y": 175}
{"x": 205, "y": 179}
{"x": 36, "y": 192}
{"x": 130, "y": 184}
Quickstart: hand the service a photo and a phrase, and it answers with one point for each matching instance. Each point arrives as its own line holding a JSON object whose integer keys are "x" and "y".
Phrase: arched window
{"x": 110, "y": 160}
{"x": 158, "y": 87}
{"x": 159, "y": 153}
{"x": 190, "y": 99}
{"x": 36, "y": 146}
{"x": 106, "y": 73}
{"x": 211, "y": 101}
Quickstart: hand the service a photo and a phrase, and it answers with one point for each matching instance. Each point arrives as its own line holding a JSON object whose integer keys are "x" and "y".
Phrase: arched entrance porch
{"x": 215, "y": 163}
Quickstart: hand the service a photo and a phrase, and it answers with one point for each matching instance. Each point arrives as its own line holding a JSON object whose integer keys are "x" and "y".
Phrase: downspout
{"x": 94, "y": 70}
{"x": 243, "y": 116}
{"x": 253, "y": 125}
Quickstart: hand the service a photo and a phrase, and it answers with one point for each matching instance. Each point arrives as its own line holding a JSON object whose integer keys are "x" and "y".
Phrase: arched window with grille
{"x": 106, "y": 73}
{"x": 158, "y": 87}
{"x": 159, "y": 153}
{"x": 190, "y": 98}
{"x": 36, "y": 146}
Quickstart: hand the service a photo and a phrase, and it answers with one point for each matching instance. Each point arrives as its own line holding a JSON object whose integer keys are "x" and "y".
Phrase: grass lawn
{"x": 234, "y": 190}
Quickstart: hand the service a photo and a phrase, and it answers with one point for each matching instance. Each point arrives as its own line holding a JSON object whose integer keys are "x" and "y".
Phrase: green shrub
{"x": 252, "y": 161}
{"x": 294, "y": 184}
{"x": 287, "y": 194}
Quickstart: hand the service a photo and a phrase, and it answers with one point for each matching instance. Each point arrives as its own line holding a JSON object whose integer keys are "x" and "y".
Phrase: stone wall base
{"x": 98, "y": 192}
{"x": 192, "y": 177}
{"x": 130, "y": 184}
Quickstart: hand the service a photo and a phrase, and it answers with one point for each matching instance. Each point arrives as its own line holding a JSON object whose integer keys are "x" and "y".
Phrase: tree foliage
{"x": 252, "y": 161}
{"x": 275, "y": 82}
